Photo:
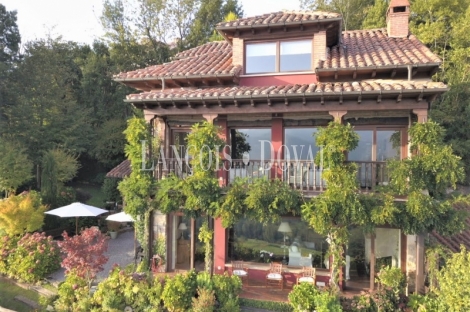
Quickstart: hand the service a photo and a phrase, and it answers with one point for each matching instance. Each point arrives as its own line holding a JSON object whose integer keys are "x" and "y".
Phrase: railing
{"x": 304, "y": 175}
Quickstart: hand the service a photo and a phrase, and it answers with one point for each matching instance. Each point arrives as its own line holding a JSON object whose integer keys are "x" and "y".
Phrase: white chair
{"x": 294, "y": 256}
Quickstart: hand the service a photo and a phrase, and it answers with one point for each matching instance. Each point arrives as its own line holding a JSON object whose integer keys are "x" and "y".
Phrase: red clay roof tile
{"x": 280, "y": 18}
{"x": 362, "y": 48}
{"x": 364, "y": 86}
{"x": 120, "y": 171}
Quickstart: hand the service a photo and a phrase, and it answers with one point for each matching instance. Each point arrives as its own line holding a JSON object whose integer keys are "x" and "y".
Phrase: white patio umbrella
{"x": 76, "y": 210}
{"x": 120, "y": 217}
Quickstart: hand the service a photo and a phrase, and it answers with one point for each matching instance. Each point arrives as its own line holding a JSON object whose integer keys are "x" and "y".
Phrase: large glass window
{"x": 363, "y": 151}
{"x": 281, "y": 56}
{"x": 261, "y": 57}
{"x": 290, "y": 241}
{"x": 251, "y": 144}
{"x": 296, "y": 55}
{"x": 300, "y": 144}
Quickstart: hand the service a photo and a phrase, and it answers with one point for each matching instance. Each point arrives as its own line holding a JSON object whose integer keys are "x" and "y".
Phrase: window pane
{"x": 300, "y": 144}
{"x": 254, "y": 142}
{"x": 388, "y": 145}
{"x": 296, "y": 55}
{"x": 363, "y": 151}
{"x": 295, "y": 242}
{"x": 260, "y": 57}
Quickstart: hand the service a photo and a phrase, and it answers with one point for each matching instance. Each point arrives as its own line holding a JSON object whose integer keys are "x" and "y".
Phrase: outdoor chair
{"x": 275, "y": 275}
{"x": 241, "y": 270}
{"x": 307, "y": 276}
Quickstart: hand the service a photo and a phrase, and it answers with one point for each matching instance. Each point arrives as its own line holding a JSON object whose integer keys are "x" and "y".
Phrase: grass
{"x": 97, "y": 197}
{"x": 8, "y": 292}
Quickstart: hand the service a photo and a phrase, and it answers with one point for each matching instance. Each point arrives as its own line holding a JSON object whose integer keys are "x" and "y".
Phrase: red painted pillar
{"x": 277, "y": 139}
{"x": 220, "y": 233}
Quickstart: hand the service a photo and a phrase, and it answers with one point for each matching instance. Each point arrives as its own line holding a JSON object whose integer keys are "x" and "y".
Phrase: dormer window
{"x": 279, "y": 56}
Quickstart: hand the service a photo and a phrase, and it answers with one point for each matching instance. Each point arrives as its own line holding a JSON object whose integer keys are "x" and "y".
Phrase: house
{"x": 269, "y": 85}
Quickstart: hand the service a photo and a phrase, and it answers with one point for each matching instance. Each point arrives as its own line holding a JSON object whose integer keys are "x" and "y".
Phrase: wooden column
{"x": 338, "y": 115}
{"x": 372, "y": 262}
{"x": 419, "y": 264}
{"x": 422, "y": 115}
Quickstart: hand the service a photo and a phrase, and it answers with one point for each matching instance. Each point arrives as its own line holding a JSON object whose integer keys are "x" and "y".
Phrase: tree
{"x": 9, "y": 36}
{"x": 209, "y": 14}
{"x": 376, "y": 15}
{"x": 20, "y": 214}
{"x": 352, "y": 11}
{"x": 15, "y": 167}
{"x": 84, "y": 253}
{"x": 443, "y": 26}
{"x": 58, "y": 167}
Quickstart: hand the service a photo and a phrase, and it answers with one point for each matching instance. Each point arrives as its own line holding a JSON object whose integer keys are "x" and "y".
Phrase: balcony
{"x": 303, "y": 175}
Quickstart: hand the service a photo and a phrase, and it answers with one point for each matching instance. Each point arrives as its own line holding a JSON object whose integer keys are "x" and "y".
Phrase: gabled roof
{"x": 279, "y": 19}
{"x": 373, "y": 48}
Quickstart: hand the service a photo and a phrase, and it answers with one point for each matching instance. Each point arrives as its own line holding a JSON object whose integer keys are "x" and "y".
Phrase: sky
{"x": 78, "y": 20}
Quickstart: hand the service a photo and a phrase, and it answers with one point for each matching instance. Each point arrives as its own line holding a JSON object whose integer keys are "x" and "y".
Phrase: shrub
{"x": 179, "y": 291}
{"x": 73, "y": 294}
{"x": 109, "y": 189}
{"x": 205, "y": 300}
{"x": 267, "y": 305}
{"x": 34, "y": 258}
{"x": 302, "y": 297}
{"x": 453, "y": 281}
{"x": 123, "y": 288}
{"x": 362, "y": 303}
{"x": 7, "y": 247}
{"x": 393, "y": 278}
{"x": 327, "y": 302}
{"x": 424, "y": 303}
{"x": 227, "y": 289}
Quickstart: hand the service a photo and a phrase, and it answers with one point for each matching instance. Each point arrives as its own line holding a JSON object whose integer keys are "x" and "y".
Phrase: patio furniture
{"x": 275, "y": 276}
{"x": 307, "y": 276}
{"x": 294, "y": 255}
{"x": 241, "y": 270}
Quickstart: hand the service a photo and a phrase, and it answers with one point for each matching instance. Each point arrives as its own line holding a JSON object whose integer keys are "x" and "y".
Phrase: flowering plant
{"x": 266, "y": 256}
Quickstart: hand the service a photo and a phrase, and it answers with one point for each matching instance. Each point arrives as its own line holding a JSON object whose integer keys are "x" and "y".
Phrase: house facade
{"x": 269, "y": 86}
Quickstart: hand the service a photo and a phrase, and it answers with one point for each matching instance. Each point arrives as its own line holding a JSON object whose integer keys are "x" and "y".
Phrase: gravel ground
{"x": 120, "y": 251}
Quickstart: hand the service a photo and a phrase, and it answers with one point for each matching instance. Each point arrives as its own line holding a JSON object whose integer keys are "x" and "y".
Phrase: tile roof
{"x": 211, "y": 59}
{"x": 314, "y": 88}
{"x": 120, "y": 171}
{"x": 363, "y": 48}
{"x": 280, "y": 18}
{"x": 453, "y": 242}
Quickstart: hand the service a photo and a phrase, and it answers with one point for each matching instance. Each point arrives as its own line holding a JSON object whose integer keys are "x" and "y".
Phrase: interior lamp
{"x": 182, "y": 227}
{"x": 284, "y": 228}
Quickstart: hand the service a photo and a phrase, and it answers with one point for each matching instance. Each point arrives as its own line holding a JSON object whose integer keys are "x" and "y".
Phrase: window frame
{"x": 277, "y": 66}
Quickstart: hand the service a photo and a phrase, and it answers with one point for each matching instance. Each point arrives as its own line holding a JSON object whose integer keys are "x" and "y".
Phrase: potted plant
{"x": 113, "y": 228}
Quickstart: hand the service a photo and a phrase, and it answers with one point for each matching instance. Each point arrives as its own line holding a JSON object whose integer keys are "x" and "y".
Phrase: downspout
{"x": 410, "y": 71}
{"x": 163, "y": 83}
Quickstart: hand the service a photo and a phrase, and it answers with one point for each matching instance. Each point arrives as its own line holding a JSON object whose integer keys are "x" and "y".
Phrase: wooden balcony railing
{"x": 304, "y": 175}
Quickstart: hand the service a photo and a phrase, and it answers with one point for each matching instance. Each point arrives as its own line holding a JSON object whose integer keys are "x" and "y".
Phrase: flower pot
{"x": 113, "y": 234}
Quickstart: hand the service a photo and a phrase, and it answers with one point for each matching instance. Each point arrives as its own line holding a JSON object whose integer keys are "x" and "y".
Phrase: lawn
{"x": 97, "y": 197}
{"x": 8, "y": 292}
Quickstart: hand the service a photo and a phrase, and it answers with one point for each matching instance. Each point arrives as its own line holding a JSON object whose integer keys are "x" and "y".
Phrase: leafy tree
{"x": 84, "y": 253}
{"x": 209, "y": 14}
{"x": 9, "y": 36}
{"x": 453, "y": 281}
{"x": 452, "y": 111}
{"x": 443, "y": 26}
{"x": 58, "y": 167}
{"x": 352, "y": 11}
{"x": 376, "y": 15}
{"x": 15, "y": 167}
{"x": 22, "y": 213}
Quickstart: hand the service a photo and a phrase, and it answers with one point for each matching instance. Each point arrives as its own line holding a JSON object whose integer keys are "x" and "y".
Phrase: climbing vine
{"x": 138, "y": 188}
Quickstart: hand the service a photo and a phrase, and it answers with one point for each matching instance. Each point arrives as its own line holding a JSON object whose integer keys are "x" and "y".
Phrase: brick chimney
{"x": 397, "y": 18}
